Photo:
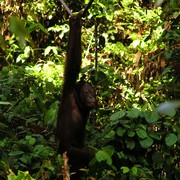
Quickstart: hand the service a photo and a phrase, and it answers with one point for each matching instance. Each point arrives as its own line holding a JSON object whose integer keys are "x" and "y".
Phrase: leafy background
{"x": 137, "y": 45}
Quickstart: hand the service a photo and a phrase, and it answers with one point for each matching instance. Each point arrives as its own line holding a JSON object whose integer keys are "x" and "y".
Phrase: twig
{"x": 87, "y": 7}
{"x": 66, "y": 7}
{"x": 69, "y": 11}
{"x": 96, "y": 36}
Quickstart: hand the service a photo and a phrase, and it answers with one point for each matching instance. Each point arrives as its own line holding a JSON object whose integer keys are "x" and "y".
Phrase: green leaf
{"x": 121, "y": 155}
{"x": 24, "y": 175}
{"x": 110, "y": 134}
{"x": 133, "y": 113}
{"x": 141, "y": 133}
{"x": 5, "y": 70}
{"x": 155, "y": 136}
{"x": 4, "y": 166}
{"x": 125, "y": 169}
{"x": 117, "y": 115}
{"x": 109, "y": 149}
{"x": 51, "y": 114}
{"x": 103, "y": 156}
{"x": 21, "y": 58}
{"x": 16, "y": 153}
{"x": 47, "y": 164}
{"x": 26, "y": 158}
{"x": 5, "y": 103}
{"x": 42, "y": 28}
{"x": 18, "y": 28}
{"x": 167, "y": 123}
{"x": 2, "y": 144}
{"x": 125, "y": 122}
{"x": 146, "y": 143}
{"x": 170, "y": 139}
{"x": 12, "y": 176}
{"x": 50, "y": 48}
{"x": 131, "y": 133}
{"x": 120, "y": 131}
{"x": 31, "y": 140}
{"x": 27, "y": 51}
{"x": 134, "y": 170}
{"x": 151, "y": 116}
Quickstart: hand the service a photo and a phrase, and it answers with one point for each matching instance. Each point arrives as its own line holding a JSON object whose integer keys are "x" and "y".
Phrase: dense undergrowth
{"x": 138, "y": 68}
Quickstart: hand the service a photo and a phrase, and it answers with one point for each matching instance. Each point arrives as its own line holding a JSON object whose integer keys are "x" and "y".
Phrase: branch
{"x": 83, "y": 13}
{"x": 87, "y": 7}
{"x": 66, "y": 7}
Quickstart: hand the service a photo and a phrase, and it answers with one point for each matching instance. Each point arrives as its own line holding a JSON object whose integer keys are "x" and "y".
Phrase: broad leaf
{"x": 171, "y": 139}
{"x": 109, "y": 149}
{"x": 146, "y": 143}
{"x": 131, "y": 133}
{"x": 103, "y": 156}
{"x": 151, "y": 116}
{"x": 141, "y": 133}
{"x": 134, "y": 170}
{"x": 120, "y": 131}
{"x": 117, "y": 115}
{"x": 109, "y": 135}
{"x": 133, "y": 113}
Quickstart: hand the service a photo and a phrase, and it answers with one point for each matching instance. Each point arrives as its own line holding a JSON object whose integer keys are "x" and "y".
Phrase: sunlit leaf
{"x": 103, "y": 156}
{"x": 5, "y": 103}
{"x": 109, "y": 149}
{"x": 136, "y": 43}
{"x": 125, "y": 169}
{"x": 49, "y": 49}
{"x": 27, "y": 51}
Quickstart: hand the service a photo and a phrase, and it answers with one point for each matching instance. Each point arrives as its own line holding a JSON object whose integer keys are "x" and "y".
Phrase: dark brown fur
{"x": 77, "y": 101}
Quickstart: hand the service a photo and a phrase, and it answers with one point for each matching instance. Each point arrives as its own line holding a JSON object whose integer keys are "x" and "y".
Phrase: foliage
{"x": 138, "y": 68}
{"x": 139, "y": 144}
